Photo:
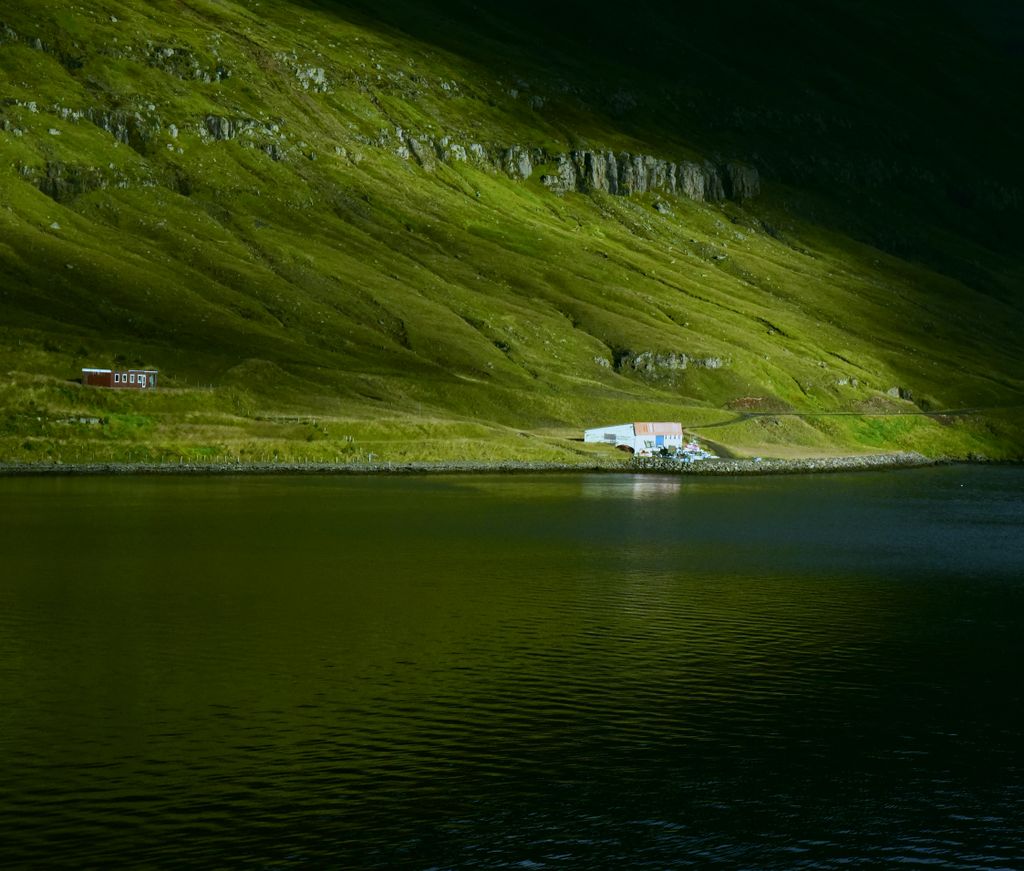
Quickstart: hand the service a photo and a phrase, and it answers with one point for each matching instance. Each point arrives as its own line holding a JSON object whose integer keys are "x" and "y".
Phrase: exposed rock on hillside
{"x": 128, "y": 128}
{"x": 625, "y": 174}
{"x": 587, "y": 171}
{"x": 656, "y": 365}
{"x": 583, "y": 171}
{"x": 62, "y": 182}
{"x": 452, "y": 152}
{"x": 743, "y": 181}
{"x": 221, "y": 128}
{"x": 183, "y": 63}
{"x": 691, "y": 180}
{"x": 313, "y": 79}
{"x": 423, "y": 154}
{"x": 178, "y": 61}
{"x": 517, "y": 162}
{"x": 713, "y": 189}
{"x": 564, "y": 179}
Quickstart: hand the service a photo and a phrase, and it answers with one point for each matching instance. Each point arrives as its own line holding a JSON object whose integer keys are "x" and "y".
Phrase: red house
{"x": 120, "y": 379}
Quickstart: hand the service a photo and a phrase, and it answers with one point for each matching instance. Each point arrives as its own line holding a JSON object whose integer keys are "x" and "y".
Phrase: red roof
{"x": 657, "y": 429}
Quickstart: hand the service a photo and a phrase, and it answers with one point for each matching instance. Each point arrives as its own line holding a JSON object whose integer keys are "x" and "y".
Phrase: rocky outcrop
{"x": 743, "y": 181}
{"x": 422, "y": 151}
{"x": 134, "y": 129}
{"x": 625, "y": 174}
{"x": 263, "y": 135}
{"x": 632, "y": 174}
{"x": 597, "y": 172}
{"x": 137, "y": 123}
{"x": 516, "y": 161}
{"x": 691, "y": 181}
{"x": 565, "y": 178}
{"x": 64, "y": 181}
{"x": 313, "y": 79}
{"x": 222, "y": 128}
{"x": 581, "y": 171}
{"x": 450, "y": 151}
{"x": 656, "y": 365}
{"x": 714, "y": 191}
{"x": 179, "y": 61}
{"x": 184, "y": 63}
{"x": 653, "y": 364}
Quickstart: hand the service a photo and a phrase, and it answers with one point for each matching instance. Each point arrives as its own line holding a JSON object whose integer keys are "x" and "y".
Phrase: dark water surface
{"x": 514, "y": 672}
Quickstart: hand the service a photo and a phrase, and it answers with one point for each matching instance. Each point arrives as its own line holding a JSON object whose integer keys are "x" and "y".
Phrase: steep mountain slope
{"x": 437, "y": 230}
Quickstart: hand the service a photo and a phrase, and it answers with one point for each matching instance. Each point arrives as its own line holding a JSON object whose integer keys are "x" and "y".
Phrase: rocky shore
{"x": 785, "y": 467}
{"x": 640, "y": 465}
{"x": 285, "y": 468}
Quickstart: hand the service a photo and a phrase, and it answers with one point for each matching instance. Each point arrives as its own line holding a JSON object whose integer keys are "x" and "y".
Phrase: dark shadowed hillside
{"x": 878, "y": 106}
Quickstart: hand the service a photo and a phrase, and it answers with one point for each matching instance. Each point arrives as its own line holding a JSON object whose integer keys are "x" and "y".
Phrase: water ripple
{"x": 550, "y": 673}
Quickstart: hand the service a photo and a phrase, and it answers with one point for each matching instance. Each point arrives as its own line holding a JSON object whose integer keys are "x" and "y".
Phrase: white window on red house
{"x": 131, "y": 378}
{"x": 117, "y": 377}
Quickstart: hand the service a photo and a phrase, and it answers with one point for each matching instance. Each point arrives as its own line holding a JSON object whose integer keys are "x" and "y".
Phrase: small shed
{"x": 644, "y": 438}
{"x": 121, "y": 379}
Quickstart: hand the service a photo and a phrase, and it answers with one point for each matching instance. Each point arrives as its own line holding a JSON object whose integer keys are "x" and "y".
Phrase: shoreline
{"x": 651, "y": 465}
{"x": 806, "y": 465}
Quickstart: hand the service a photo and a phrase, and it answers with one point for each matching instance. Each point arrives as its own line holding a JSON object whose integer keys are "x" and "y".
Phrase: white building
{"x": 642, "y": 439}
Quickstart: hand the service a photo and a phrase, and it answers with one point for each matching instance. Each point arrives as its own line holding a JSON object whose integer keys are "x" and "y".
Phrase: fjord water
{"x": 534, "y": 672}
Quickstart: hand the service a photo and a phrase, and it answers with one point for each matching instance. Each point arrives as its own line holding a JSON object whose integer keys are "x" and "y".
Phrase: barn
{"x": 643, "y": 438}
{"x": 120, "y": 379}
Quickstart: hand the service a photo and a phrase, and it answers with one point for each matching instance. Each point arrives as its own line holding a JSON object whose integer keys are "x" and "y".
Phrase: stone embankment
{"x": 286, "y": 468}
{"x": 598, "y": 464}
{"x": 784, "y": 467}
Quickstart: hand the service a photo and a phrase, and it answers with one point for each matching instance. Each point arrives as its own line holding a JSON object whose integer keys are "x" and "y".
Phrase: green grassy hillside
{"x": 339, "y": 231}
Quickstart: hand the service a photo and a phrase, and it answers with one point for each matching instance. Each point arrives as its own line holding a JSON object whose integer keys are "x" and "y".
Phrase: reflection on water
{"x": 493, "y": 672}
{"x": 631, "y": 486}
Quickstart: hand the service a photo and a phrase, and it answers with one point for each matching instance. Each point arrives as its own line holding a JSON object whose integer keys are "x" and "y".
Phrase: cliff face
{"x": 586, "y": 171}
{"x": 625, "y": 174}
{"x": 149, "y": 122}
